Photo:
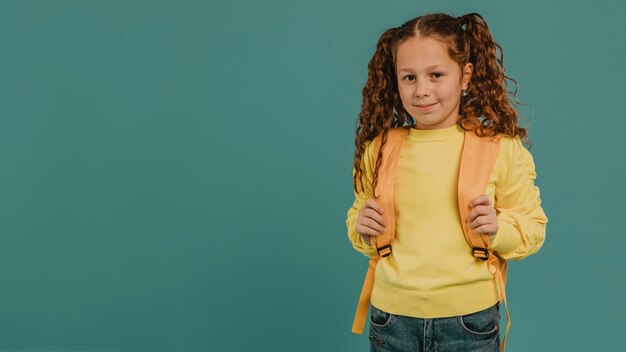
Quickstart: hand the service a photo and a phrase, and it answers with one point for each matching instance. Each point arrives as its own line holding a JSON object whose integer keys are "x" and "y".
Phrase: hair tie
{"x": 460, "y": 20}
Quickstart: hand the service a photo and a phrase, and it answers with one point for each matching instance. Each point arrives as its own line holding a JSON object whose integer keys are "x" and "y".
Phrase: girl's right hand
{"x": 370, "y": 222}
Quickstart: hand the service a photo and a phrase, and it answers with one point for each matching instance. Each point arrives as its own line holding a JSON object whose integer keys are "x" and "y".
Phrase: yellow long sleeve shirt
{"x": 431, "y": 271}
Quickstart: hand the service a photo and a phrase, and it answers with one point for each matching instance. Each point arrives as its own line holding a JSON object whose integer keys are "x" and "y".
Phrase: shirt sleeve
{"x": 359, "y": 201}
{"x": 521, "y": 219}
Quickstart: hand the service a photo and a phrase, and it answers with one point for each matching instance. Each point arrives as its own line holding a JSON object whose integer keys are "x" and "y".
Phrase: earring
{"x": 465, "y": 92}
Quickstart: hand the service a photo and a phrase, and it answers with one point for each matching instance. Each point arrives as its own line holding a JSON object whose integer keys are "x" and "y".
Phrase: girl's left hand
{"x": 483, "y": 217}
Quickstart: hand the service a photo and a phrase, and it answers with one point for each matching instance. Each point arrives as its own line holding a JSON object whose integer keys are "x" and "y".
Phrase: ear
{"x": 467, "y": 74}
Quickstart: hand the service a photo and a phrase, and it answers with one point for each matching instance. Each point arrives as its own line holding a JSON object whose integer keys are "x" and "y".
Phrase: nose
{"x": 422, "y": 87}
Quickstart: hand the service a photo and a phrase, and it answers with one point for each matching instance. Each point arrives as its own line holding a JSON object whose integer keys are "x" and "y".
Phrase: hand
{"x": 370, "y": 221}
{"x": 483, "y": 217}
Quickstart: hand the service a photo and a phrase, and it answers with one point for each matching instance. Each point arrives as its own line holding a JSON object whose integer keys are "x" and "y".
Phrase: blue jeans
{"x": 476, "y": 332}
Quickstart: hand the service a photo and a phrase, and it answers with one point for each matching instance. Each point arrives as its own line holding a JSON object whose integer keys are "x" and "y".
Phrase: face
{"x": 430, "y": 82}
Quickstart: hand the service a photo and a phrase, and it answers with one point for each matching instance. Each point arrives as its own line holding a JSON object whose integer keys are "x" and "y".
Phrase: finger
{"x": 483, "y": 199}
{"x": 372, "y": 214}
{"x": 476, "y": 212}
{"x": 488, "y": 229}
{"x": 367, "y": 226}
{"x": 371, "y": 203}
{"x": 475, "y": 222}
{"x": 488, "y": 219}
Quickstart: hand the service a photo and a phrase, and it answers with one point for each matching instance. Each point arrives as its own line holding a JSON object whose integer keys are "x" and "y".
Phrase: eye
{"x": 438, "y": 73}
{"x": 404, "y": 78}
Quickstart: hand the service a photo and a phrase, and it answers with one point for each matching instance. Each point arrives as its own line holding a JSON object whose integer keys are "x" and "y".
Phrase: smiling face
{"x": 430, "y": 82}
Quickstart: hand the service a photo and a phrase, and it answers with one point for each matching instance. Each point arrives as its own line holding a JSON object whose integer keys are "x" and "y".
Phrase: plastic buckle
{"x": 378, "y": 249}
{"x": 484, "y": 250}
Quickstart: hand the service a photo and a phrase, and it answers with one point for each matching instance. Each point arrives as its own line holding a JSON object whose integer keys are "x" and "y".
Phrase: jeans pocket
{"x": 380, "y": 318}
{"x": 484, "y": 322}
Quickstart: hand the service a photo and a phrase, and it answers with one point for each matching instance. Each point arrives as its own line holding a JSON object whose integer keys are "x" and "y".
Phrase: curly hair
{"x": 382, "y": 108}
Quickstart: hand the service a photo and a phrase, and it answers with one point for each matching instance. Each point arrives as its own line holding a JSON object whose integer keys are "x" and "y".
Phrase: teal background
{"x": 175, "y": 175}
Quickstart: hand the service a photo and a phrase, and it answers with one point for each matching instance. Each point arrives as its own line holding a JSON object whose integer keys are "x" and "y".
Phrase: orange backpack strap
{"x": 384, "y": 187}
{"x": 477, "y": 163}
{"x": 384, "y": 196}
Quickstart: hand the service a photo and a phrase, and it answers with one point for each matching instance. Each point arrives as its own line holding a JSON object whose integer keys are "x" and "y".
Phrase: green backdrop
{"x": 175, "y": 175}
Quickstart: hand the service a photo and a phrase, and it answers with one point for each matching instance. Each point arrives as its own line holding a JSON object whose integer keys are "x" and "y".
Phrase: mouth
{"x": 425, "y": 106}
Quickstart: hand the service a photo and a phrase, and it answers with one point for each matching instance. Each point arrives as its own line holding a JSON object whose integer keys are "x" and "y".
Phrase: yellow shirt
{"x": 431, "y": 272}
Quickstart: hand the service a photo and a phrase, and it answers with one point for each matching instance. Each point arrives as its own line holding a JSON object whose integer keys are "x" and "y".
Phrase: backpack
{"x": 477, "y": 161}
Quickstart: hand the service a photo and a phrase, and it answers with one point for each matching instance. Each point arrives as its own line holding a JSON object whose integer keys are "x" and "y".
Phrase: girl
{"x": 431, "y": 292}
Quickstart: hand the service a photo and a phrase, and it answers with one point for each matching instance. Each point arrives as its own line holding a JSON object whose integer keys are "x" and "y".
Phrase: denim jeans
{"x": 476, "y": 332}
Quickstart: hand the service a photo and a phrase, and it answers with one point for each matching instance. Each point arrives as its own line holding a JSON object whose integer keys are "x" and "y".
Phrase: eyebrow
{"x": 433, "y": 66}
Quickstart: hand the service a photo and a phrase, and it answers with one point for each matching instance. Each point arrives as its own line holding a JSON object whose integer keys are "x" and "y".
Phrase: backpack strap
{"x": 477, "y": 163}
{"x": 384, "y": 196}
{"x": 384, "y": 187}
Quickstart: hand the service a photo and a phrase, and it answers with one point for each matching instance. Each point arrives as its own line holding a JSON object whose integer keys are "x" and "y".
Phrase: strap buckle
{"x": 485, "y": 252}
{"x": 378, "y": 249}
